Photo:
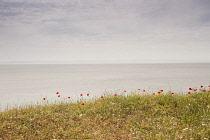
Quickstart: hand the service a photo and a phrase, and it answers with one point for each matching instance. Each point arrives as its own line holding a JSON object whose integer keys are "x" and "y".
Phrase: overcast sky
{"x": 104, "y": 31}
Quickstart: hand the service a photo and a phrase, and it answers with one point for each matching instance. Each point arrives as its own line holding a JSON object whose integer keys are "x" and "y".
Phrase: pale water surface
{"x": 28, "y": 84}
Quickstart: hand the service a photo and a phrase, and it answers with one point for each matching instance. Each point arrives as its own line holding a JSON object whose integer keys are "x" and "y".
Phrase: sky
{"x": 104, "y": 31}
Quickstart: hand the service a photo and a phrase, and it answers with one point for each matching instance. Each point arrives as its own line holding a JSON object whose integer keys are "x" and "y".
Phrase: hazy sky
{"x": 87, "y": 31}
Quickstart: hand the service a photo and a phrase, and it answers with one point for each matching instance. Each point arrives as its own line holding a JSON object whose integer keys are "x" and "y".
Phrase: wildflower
{"x": 139, "y": 89}
{"x": 88, "y": 94}
{"x": 188, "y": 92}
{"x": 185, "y": 129}
{"x": 203, "y": 124}
{"x": 144, "y": 90}
{"x": 172, "y": 93}
{"x": 80, "y": 94}
{"x": 194, "y": 89}
{"x": 83, "y": 104}
{"x": 159, "y": 92}
{"x": 102, "y": 97}
{"x": 69, "y": 97}
{"x": 209, "y": 86}
{"x": 43, "y": 98}
{"x": 190, "y": 89}
{"x": 201, "y": 86}
{"x": 57, "y": 93}
{"x": 124, "y": 90}
{"x": 153, "y": 93}
{"x": 115, "y": 94}
{"x": 204, "y": 90}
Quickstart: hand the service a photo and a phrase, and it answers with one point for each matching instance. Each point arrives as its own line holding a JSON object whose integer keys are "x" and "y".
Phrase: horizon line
{"x": 174, "y": 62}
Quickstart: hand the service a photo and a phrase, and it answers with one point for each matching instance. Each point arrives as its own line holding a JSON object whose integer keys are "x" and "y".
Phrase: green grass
{"x": 135, "y": 116}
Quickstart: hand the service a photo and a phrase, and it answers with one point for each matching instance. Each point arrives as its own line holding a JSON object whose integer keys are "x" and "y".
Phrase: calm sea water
{"x": 28, "y": 84}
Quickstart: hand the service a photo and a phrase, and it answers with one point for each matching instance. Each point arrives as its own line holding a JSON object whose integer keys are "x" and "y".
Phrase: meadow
{"x": 114, "y": 116}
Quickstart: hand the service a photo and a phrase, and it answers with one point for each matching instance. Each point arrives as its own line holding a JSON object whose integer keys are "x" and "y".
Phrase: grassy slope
{"x": 113, "y": 117}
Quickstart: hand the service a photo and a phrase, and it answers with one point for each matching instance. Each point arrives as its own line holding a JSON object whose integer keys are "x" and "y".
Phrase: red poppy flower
{"x": 88, "y": 94}
{"x": 115, "y": 94}
{"x": 159, "y": 92}
{"x": 204, "y": 90}
{"x": 190, "y": 89}
{"x": 188, "y": 92}
{"x": 194, "y": 89}
{"x": 43, "y": 98}
{"x": 80, "y": 94}
{"x": 57, "y": 92}
{"x": 69, "y": 97}
{"x": 102, "y": 97}
{"x": 172, "y": 93}
{"x": 124, "y": 90}
{"x": 59, "y": 95}
{"x": 139, "y": 89}
{"x": 83, "y": 104}
{"x": 144, "y": 90}
{"x": 201, "y": 86}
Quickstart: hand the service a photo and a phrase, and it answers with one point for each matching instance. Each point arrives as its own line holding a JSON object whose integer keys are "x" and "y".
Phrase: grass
{"x": 135, "y": 116}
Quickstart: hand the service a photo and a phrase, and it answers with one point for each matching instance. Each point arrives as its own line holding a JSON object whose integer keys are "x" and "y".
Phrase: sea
{"x": 28, "y": 84}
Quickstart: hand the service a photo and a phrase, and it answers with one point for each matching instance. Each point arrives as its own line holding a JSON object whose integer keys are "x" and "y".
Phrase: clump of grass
{"x": 135, "y": 116}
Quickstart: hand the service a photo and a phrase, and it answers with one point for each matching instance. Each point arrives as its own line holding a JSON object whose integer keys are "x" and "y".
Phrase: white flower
{"x": 185, "y": 129}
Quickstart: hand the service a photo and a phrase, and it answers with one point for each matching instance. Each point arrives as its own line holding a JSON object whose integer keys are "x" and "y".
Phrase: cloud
{"x": 41, "y": 29}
